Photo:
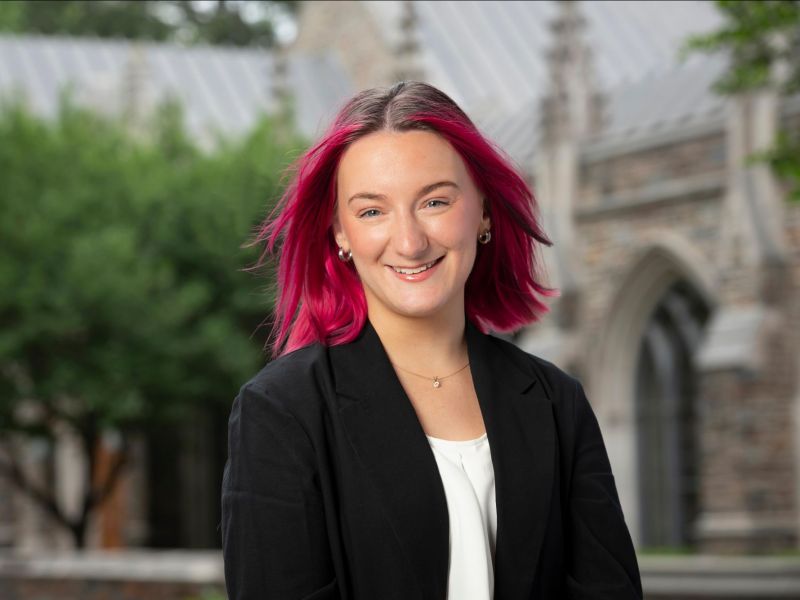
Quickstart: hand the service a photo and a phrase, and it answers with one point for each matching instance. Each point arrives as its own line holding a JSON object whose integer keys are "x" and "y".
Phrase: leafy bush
{"x": 122, "y": 296}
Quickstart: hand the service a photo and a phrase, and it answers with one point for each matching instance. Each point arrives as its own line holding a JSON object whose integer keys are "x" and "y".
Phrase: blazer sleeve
{"x": 601, "y": 561}
{"x": 274, "y": 537}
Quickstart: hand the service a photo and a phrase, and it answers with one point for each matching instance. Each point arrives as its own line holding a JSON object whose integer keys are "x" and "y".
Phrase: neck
{"x": 426, "y": 345}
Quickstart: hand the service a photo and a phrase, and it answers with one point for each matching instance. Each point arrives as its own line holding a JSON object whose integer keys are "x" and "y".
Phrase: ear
{"x": 486, "y": 220}
{"x": 338, "y": 232}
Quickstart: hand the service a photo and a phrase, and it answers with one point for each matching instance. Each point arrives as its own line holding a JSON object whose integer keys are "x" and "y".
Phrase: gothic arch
{"x": 667, "y": 259}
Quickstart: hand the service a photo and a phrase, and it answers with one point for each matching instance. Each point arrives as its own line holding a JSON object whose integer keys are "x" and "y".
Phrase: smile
{"x": 415, "y": 270}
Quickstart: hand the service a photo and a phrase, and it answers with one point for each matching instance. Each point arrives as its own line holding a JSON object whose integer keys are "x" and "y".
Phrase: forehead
{"x": 389, "y": 160}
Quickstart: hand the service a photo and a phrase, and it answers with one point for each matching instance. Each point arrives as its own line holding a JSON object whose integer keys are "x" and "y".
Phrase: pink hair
{"x": 320, "y": 298}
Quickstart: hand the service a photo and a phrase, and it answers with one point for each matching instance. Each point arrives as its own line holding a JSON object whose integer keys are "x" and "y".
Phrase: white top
{"x": 468, "y": 476}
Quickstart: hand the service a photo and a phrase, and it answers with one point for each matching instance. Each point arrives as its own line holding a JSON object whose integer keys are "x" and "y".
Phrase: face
{"x": 410, "y": 214}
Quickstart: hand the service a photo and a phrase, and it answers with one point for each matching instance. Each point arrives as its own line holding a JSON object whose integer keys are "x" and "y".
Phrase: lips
{"x": 416, "y": 270}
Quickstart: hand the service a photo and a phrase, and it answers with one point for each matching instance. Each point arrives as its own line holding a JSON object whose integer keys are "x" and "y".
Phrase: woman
{"x": 394, "y": 450}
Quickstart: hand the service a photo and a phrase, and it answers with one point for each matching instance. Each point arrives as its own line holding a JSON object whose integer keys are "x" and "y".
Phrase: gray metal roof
{"x": 679, "y": 96}
{"x": 221, "y": 88}
{"x": 491, "y": 56}
{"x": 516, "y": 133}
{"x": 657, "y": 106}
{"x": 320, "y": 85}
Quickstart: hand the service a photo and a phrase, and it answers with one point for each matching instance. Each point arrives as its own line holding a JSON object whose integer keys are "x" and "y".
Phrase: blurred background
{"x": 141, "y": 143}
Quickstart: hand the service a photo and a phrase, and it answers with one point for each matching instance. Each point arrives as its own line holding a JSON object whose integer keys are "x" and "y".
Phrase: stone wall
{"x": 118, "y": 575}
{"x": 602, "y": 180}
{"x": 671, "y": 201}
{"x": 631, "y": 203}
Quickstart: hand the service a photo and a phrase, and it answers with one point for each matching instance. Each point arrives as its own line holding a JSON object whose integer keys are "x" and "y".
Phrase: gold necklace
{"x": 437, "y": 381}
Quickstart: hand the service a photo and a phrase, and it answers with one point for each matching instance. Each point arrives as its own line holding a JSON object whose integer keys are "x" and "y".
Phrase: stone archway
{"x": 668, "y": 261}
{"x": 665, "y": 392}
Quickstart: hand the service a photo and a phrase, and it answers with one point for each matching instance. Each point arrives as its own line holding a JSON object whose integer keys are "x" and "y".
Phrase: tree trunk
{"x": 78, "y": 531}
{"x": 96, "y": 492}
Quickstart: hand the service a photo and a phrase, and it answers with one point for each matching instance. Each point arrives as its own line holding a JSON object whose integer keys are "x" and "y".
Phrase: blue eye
{"x": 371, "y": 212}
{"x": 435, "y": 202}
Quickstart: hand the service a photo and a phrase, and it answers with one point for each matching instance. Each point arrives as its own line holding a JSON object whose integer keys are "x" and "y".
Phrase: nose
{"x": 409, "y": 237}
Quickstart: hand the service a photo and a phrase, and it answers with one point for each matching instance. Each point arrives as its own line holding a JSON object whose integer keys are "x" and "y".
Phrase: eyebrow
{"x": 424, "y": 190}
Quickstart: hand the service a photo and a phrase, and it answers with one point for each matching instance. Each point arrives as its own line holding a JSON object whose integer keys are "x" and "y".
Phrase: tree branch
{"x": 12, "y": 472}
{"x": 114, "y": 473}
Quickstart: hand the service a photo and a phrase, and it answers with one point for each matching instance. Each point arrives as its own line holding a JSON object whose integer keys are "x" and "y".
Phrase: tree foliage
{"x": 123, "y": 299}
{"x": 229, "y": 22}
{"x": 762, "y": 40}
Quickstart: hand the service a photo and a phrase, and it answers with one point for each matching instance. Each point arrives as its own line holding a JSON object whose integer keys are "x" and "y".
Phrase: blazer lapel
{"x": 521, "y": 431}
{"x": 390, "y": 443}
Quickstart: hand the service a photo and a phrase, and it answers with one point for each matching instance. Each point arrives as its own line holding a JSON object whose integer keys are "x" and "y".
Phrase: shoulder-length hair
{"x": 320, "y": 298}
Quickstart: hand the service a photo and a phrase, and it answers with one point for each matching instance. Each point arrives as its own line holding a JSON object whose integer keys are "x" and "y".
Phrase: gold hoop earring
{"x": 485, "y": 237}
{"x": 345, "y": 256}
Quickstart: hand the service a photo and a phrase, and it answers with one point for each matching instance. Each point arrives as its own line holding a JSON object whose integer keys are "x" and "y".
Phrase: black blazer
{"x": 331, "y": 490}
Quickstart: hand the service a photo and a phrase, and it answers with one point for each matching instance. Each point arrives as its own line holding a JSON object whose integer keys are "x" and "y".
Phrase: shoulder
{"x": 292, "y": 382}
{"x": 572, "y": 411}
{"x": 558, "y": 384}
{"x": 270, "y": 433}
{"x": 290, "y": 369}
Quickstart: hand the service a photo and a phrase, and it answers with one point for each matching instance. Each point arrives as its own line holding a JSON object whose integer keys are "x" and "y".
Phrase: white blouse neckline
{"x": 443, "y": 442}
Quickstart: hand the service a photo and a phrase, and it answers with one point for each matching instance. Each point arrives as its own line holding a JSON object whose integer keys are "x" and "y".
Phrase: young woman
{"x": 394, "y": 449}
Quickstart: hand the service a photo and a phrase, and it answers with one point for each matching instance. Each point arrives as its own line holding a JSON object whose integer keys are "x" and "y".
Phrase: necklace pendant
{"x": 436, "y": 382}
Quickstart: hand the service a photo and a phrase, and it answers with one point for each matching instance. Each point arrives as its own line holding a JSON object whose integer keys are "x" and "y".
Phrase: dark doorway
{"x": 666, "y": 387}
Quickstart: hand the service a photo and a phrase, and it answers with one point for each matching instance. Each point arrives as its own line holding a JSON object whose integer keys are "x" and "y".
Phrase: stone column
{"x": 748, "y": 477}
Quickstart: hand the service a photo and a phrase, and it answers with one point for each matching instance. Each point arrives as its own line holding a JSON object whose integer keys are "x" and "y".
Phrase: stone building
{"x": 677, "y": 259}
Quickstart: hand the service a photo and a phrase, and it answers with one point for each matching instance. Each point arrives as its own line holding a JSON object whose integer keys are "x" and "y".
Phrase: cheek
{"x": 459, "y": 233}
{"x": 365, "y": 241}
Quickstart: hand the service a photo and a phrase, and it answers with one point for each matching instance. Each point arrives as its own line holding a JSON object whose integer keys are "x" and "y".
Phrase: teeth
{"x": 415, "y": 271}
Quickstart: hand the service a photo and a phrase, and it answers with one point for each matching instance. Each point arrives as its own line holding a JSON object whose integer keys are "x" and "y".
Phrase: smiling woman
{"x": 420, "y": 228}
{"x": 394, "y": 449}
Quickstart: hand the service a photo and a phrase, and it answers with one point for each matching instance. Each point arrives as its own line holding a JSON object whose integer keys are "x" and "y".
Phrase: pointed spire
{"x": 407, "y": 51}
{"x": 136, "y": 93}
{"x": 281, "y": 92}
{"x": 572, "y": 108}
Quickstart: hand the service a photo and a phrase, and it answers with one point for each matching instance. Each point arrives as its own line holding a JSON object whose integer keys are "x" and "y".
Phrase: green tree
{"x": 762, "y": 40}
{"x": 123, "y": 300}
{"x": 229, "y": 22}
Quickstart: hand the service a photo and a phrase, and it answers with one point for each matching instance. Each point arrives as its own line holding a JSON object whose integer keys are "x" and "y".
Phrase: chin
{"x": 419, "y": 311}
{"x": 412, "y": 305}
